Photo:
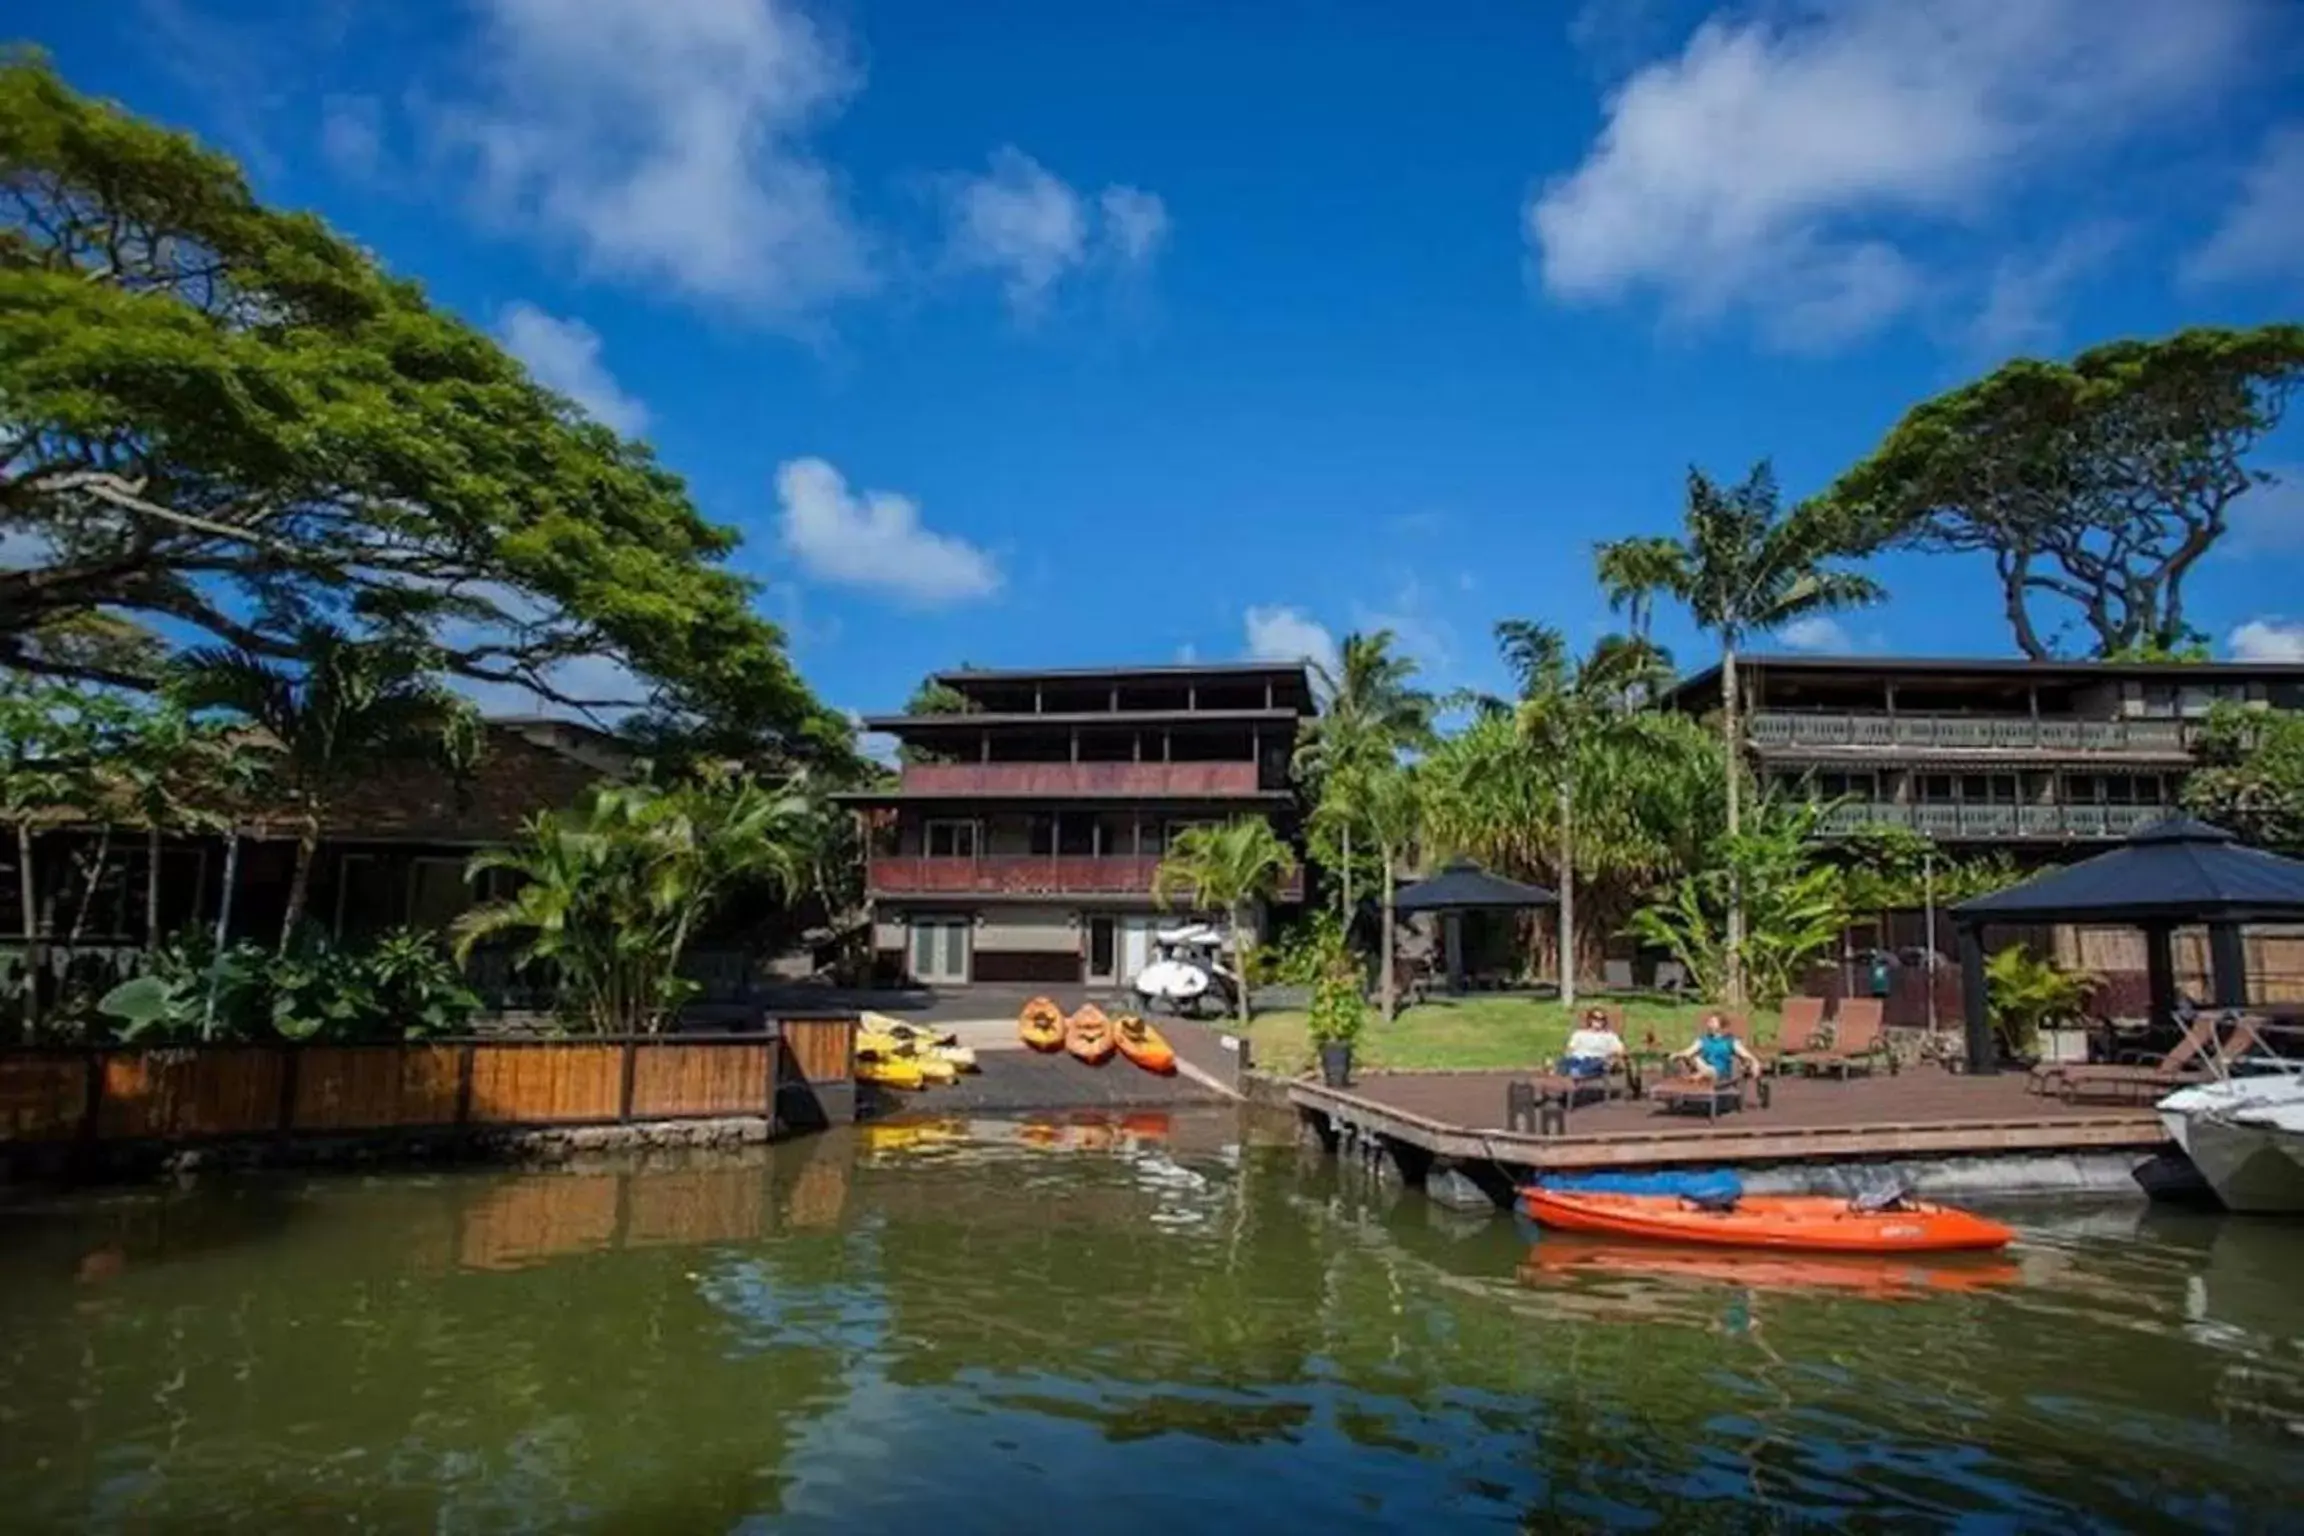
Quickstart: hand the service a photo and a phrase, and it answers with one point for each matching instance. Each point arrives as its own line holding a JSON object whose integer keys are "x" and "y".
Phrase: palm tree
{"x": 1568, "y": 709}
{"x": 1228, "y": 868}
{"x": 347, "y": 707}
{"x": 1370, "y": 712}
{"x": 1394, "y": 807}
{"x": 1744, "y": 568}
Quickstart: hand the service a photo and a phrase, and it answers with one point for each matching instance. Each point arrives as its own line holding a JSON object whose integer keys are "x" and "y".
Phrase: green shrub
{"x": 1339, "y": 1002}
{"x": 403, "y": 987}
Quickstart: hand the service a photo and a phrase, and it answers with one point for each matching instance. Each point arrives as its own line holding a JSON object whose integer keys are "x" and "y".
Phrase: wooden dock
{"x": 1460, "y": 1117}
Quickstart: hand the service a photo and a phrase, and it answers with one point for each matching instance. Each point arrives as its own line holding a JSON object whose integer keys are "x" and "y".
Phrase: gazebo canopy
{"x": 2176, "y": 871}
{"x": 1463, "y": 886}
{"x": 2171, "y": 874}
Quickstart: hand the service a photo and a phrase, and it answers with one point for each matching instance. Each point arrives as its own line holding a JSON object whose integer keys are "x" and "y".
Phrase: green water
{"x": 1134, "y": 1327}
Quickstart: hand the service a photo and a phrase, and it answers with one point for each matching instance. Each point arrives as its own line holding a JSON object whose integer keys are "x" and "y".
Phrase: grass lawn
{"x": 1480, "y": 1032}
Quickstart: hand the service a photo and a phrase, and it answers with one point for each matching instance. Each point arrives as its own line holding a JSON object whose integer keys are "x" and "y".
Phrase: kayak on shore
{"x": 1805, "y": 1223}
{"x": 1041, "y": 1025}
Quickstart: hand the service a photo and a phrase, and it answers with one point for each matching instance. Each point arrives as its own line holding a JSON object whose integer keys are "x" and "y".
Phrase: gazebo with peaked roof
{"x": 2172, "y": 874}
{"x": 1463, "y": 886}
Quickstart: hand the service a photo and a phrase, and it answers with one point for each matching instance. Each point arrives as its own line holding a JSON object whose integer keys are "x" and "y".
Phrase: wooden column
{"x": 2160, "y": 969}
{"x": 1983, "y": 1048}
{"x": 1075, "y": 743}
{"x": 2228, "y": 965}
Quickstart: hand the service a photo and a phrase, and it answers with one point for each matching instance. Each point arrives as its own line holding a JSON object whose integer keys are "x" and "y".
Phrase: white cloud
{"x": 352, "y": 135}
{"x": 564, "y": 355}
{"x": 2262, "y": 236}
{"x": 1032, "y": 229}
{"x": 1282, "y": 633}
{"x": 875, "y": 540}
{"x": 1763, "y": 167}
{"x": 2024, "y": 297}
{"x": 1135, "y": 223}
{"x": 1419, "y": 630}
{"x": 666, "y": 141}
{"x": 2270, "y": 517}
{"x": 2268, "y": 640}
{"x": 1819, "y": 633}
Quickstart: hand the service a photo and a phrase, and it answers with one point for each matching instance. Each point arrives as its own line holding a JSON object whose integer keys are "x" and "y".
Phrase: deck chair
{"x": 1618, "y": 1082}
{"x": 2194, "y": 1058}
{"x": 1800, "y": 1038}
{"x": 2185, "y": 1055}
{"x": 1616, "y": 975}
{"x": 1858, "y": 1043}
{"x": 1689, "y": 1093}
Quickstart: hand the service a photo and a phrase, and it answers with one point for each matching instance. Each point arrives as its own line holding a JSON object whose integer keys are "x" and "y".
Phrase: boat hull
{"x": 1088, "y": 1035}
{"x": 1041, "y": 1025}
{"x": 2244, "y": 1137}
{"x": 1786, "y": 1223}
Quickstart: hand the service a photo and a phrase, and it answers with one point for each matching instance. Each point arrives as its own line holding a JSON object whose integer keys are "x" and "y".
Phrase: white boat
{"x": 2246, "y": 1136}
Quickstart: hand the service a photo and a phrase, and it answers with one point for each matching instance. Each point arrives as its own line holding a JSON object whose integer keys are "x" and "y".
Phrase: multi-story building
{"x": 1020, "y": 841}
{"x": 2022, "y": 753}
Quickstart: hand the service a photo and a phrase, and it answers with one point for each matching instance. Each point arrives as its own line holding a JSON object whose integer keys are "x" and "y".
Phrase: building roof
{"x": 2179, "y": 870}
{"x": 2003, "y": 667}
{"x": 898, "y": 725}
{"x": 1171, "y": 672}
{"x": 1464, "y": 886}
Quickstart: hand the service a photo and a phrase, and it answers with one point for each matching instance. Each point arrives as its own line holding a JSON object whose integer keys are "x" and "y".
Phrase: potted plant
{"x": 1339, "y": 1009}
{"x": 2029, "y": 997}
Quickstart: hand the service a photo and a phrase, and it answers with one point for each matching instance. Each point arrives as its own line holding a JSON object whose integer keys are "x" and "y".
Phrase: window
{"x": 951, "y": 839}
{"x": 2160, "y": 700}
{"x": 1934, "y": 788}
{"x": 1040, "y": 835}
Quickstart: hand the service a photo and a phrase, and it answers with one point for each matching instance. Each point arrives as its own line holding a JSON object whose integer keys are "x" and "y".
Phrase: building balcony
{"x": 1973, "y": 733}
{"x": 1085, "y": 781}
{"x": 1997, "y": 823}
{"x": 1024, "y": 874}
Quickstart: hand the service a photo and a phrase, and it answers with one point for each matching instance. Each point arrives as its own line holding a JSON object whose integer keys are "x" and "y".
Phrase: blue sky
{"x": 1029, "y": 331}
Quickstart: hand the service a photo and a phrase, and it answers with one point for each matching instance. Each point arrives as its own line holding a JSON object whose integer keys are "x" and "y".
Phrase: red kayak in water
{"x": 1802, "y": 1223}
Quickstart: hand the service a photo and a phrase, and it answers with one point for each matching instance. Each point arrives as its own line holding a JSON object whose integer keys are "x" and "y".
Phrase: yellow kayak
{"x": 890, "y": 1071}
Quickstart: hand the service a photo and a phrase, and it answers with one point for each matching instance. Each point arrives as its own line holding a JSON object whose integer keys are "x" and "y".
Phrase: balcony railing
{"x": 1972, "y": 733}
{"x": 1996, "y": 822}
{"x": 1150, "y": 781}
{"x": 1023, "y": 874}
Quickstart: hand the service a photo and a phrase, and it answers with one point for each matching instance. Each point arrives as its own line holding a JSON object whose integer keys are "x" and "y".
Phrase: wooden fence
{"x": 799, "y": 1074}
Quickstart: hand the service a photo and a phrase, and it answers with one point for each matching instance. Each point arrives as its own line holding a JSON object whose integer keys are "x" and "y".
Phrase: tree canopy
{"x": 2251, "y": 775}
{"x": 222, "y": 418}
{"x": 2094, "y": 486}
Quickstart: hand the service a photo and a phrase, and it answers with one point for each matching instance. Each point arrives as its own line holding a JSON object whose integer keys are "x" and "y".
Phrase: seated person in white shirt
{"x": 1593, "y": 1048}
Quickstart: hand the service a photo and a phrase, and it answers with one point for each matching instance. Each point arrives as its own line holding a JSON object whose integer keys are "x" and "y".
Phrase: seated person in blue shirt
{"x": 1714, "y": 1055}
{"x": 1593, "y": 1048}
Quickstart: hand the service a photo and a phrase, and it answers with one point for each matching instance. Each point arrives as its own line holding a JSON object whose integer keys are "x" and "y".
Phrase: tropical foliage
{"x": 1569, "y": 710}
{"x": 1371, "y": 712}
{"x": 2027, "y": 994}
{"x": 1742, "y": 568}
{"x": 1339, "y": 1005}
{"x": 1227, "y": 867}
{"x": 347, "y": 708}
{"x": 1890, "y": 868}
{"x": 2095, "y": 486}
{"x": 1793, "y": 902}
{"x": 609, "y": 895}
{"x": 402, "y": 987}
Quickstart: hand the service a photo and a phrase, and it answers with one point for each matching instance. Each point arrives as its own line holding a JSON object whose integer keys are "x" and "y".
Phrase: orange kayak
{"x": 1143, "y": 1045}
{"x": 1806, "y": 1223}
{"x": 1041, "y": 1025}
{"x": 1088, "y": 1034}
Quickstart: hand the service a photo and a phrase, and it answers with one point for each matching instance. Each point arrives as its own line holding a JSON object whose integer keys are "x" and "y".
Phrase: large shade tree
{"x": 2095, "y": 487}
{"x": 1742, "y": 567}
{"x": 222, "y": 418}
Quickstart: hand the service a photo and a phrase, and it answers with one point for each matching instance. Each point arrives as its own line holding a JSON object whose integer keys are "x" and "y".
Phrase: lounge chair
{"x": 2184, "y": 1055}
{"x": 2193, "y": 1058}
{"x": 1675, "y": 1094}
{"x": 1858, "y": 1042}
{"x": 1800, "y": 1038}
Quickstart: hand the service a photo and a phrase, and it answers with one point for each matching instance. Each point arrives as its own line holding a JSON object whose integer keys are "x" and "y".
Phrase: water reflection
{"x": 1113, "y": 1323}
